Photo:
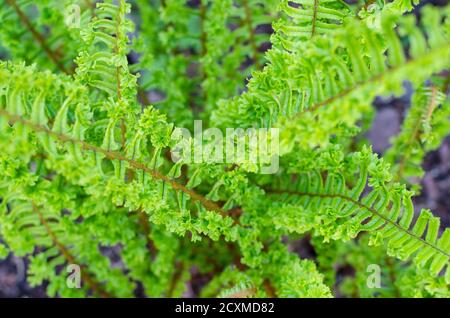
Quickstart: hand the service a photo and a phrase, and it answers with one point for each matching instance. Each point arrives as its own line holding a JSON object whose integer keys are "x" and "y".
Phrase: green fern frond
{"x": 38, "y": 32}
{"x": 423, "y": 129}
{"x": 309, "y": 18}
{"x": 242, "y": 290}
{"x": 356, "y": 64}
{"x": 386, "y": 212}
{"x": 86, "y": 172}
{"x": 44, "y": 229}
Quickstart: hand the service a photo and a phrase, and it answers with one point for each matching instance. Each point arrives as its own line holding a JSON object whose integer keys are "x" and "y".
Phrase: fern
{"x": 89, "y": 117}
{"x": 192, "y": 41}
{"x": 43, "y": 37}
{"x": 298, "y": 84}
{"x": 429, "y": 109}
{"x": 243, "y": 290}
{"x": 309, "y": 18}
{"x": 387, "y": 211}
{"x": 396, "y": 279}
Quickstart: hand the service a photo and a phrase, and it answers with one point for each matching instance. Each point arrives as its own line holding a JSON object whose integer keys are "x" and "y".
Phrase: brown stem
{"x": 249, "y": 22}
{"x": 91, "y": 5}
{"x": 196, "y": 109}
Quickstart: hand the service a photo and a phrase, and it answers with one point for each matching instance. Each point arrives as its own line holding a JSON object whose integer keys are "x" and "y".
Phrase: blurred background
{"x": 386, "y": 124}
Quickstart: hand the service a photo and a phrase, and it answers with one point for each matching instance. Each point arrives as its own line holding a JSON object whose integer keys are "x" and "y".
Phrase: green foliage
{"x": 386, "y": 212}
{"x": 87, "y": 116}
{"x": 191, "y": 63}
{"x": 424, "y": 127}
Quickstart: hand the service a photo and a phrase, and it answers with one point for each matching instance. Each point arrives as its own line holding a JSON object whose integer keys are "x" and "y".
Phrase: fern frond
{"x": 192, "y": 41}
{"x": 357, "y": 64}
{"x": 242, "y": 290}
{"x": 113, "y": 156}
{"x": 293, "y": 277}
{"x": 40, "y": 228}
{"x": 429, "y": 109}
{"x": 87, "y": 177}
{"x": 309, "y": 18}
{"x": 103, "y": 63}
{"x": 386, "y": 212}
